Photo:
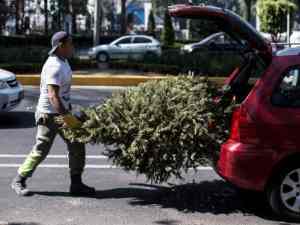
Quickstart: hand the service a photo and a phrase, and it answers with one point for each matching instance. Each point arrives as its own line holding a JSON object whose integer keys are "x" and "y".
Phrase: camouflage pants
{"x": 47, "y": 130}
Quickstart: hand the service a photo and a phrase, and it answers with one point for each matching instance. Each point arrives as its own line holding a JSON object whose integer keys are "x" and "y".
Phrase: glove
{"x": 71, "y": 121}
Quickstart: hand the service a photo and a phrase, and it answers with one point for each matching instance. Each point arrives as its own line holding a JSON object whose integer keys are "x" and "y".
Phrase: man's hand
{"x": 71, "y": 121}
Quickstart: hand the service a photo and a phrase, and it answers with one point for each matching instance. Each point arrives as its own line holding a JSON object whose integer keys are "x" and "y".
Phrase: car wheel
{"x": 102, "y": 57}
{"x": 283, "y": 194}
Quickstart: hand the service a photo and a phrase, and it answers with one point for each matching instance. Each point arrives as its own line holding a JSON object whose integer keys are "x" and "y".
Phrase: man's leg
{"x": 46, "y": 133}
{"x": 77, "y": 163}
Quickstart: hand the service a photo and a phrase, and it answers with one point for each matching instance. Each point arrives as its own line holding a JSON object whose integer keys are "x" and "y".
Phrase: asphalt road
{"x": 122, "y": 197}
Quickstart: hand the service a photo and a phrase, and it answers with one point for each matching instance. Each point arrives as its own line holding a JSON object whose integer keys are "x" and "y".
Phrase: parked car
{"x": 295, "y": 39}
{"x": 215, "y": 42}
{"x": 11, "y": 91}
{"x": 282, "y": 37}
{"x": 263, "y": 150}
{"x": 133, "y": 46}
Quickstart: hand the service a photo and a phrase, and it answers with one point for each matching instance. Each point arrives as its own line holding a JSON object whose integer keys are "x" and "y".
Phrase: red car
{"x": 263, "y": 151}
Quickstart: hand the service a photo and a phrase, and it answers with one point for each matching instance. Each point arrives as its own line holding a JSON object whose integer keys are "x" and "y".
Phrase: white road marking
{"x": 60, "y": 166}
{"x": 53, "y": 156}
{"x": 87, "y": 166}
{"x": 15, "y": 156}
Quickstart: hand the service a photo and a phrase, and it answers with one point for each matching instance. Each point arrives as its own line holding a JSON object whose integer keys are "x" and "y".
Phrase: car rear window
{"x": 141, "y": 40}
{"x": 287, "y": 93}
{"x": 125, "y": 41}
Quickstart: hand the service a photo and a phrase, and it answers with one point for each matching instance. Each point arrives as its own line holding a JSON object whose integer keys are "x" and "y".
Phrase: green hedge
{"x": 205, "y": 62}
{"x": 22, "y": 68}
{"x": 28, "y": 68}
{"x": 147, "y": 68}
{"x": 173, "y": 62}
{"x": 28, "y": 54}
{"x": 38, "y": 40}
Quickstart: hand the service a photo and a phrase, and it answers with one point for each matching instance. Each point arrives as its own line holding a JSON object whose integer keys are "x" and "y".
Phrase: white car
{"x": 295, "y": 39}
{"x": 126, "y": 47}
{"x": 11, "y": 91}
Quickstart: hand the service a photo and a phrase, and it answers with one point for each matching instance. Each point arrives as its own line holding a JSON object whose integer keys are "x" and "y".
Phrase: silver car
{"x": 11, "y": 91}
{"x": 127, "y": 47}
{"x": 215, "y": 42}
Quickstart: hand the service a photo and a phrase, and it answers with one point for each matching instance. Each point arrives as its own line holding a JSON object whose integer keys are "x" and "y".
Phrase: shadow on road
{"x": 16, "y": 120}
{"x": 22, "y": 224}
{"x": 168, "y": 222}
{"x": 216, "y": 197}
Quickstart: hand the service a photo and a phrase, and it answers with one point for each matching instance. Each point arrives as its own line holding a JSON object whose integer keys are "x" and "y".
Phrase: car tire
{"x": 280, "y": 188}
{"x": 102, "y": 57}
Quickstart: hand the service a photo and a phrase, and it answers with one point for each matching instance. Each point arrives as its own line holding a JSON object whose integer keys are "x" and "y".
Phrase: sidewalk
{"x": 104, "y": 78}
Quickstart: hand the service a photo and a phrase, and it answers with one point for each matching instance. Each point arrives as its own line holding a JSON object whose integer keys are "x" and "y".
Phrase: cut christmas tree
{"x": 160, "y": 128}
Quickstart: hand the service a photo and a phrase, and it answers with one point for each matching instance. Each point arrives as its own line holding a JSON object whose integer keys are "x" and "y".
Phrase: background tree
{"x": 273, "y": 15}
{"x": 46, "y": 13}
{"x": 130, "y": 23}
{"x": 151, "y": 24}
{"x": 123, "y": 17}
{"x": 17, "y": 7}
{"x": 78, "y": 7}
{"x": 4, "y": 12}
{"x": 248, "y": 9}
{"x": 168, "y": 34}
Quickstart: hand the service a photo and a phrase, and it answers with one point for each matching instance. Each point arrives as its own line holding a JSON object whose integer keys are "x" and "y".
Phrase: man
{"x": 54, "y": 102}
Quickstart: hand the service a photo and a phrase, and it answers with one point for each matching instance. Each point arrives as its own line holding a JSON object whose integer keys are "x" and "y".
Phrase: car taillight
{"x": 235, "y": 124}
{"x": 243, "y": 128}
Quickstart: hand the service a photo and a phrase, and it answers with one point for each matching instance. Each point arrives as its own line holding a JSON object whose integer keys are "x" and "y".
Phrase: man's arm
{"x": 54, "y": 98}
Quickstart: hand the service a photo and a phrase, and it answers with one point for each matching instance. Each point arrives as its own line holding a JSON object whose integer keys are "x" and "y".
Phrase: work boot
{"x": 78, "y": 188}
{"x": 19, "y": 186}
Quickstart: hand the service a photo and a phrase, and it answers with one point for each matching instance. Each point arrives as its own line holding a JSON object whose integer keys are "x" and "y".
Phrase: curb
{"x": 104, "y": 80}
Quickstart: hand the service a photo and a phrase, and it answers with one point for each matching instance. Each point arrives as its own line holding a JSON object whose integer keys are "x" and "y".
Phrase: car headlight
{"x": 3, "y": 85}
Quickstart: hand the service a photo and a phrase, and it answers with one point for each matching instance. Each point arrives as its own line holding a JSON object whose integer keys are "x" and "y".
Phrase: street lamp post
{"x": 288, "y": 32}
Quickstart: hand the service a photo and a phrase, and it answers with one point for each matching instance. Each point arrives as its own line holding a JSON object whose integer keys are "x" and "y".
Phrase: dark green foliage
{"x": 37, "y": 40}
{"x": 160, "y": 128}
{"x": 168, "y": 34}
{"x": 36, "y": 67}
{"x": 172, "y": 62}
{"x": 273, "y": 15}
{"x": 151, "y": 24}
{"x": 4, "y": 11}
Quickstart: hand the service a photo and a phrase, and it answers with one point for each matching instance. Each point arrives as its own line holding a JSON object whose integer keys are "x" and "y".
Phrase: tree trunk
{"x": 123, "y": 17}
{"x": 3, "y": 15}
{"x": 46, "y": 16}
{"x": 17, "y": 16}
{"x": 248, "y": 4}
{"x": 60, "y": 5}
{"x": 74, "y": 25}
{"x": 154, "y": 6}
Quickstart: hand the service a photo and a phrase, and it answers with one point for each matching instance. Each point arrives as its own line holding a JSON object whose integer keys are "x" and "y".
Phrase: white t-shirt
{"x": 58, "y": 72}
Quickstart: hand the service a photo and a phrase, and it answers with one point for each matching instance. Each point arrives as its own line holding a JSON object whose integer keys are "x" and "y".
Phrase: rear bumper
{"x": 246, "y": 166}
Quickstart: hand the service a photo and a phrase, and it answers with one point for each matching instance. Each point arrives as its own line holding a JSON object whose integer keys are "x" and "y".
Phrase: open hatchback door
{"x": 232, "y": 24}
{"x": 229, "y": 23}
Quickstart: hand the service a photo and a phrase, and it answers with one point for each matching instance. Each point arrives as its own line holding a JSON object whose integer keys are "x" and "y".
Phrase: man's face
{"x": 67, "y": 48}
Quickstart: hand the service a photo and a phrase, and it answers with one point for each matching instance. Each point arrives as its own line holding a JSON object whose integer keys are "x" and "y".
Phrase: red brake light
{"x": 243, "y": 128}
{"x": 235, "y": 123}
